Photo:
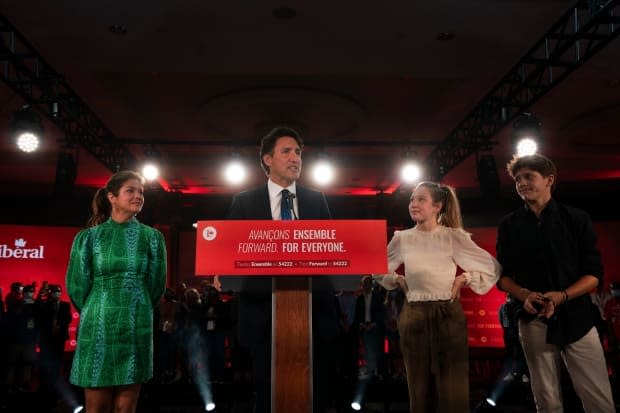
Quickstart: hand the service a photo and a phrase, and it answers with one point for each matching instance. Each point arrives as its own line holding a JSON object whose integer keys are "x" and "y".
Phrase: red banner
{"x": 36, "y": 254}
{"x": 308, "y": 247}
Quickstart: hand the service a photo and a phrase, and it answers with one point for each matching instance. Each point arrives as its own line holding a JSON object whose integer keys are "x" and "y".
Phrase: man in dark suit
{"x": 370, "y": 322}
{"x": 280, "y": 155}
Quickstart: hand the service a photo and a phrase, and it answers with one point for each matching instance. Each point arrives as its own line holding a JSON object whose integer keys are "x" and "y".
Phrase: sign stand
{"x": 291, "y": 386}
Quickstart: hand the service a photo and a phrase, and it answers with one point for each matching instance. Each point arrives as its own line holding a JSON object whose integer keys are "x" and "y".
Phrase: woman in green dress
{"x": 116, "y": 276}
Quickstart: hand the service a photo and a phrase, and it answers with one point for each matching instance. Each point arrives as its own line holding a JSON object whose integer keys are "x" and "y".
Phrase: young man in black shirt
{"x": 550, "y": 263}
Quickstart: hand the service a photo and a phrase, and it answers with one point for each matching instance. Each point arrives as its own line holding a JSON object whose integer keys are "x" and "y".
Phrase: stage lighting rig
{"x": 26, "y": 129}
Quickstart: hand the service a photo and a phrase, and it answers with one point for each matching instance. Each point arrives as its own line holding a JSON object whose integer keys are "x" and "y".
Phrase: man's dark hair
{"x": 535, "y": 162}
{"x": 268, "y": 143}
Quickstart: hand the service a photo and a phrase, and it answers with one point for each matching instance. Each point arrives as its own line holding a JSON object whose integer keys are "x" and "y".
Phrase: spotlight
{"x": 54, "y": 110}
{"x": 150, "y": 171}
{"x": 151, "y": 163}
{"x": 235, "y": 172}
{"x": 526, "y": 146}
{"x": 526, "y": 134}
{"x": 323, "y": 172}
{"x": 410, "y": 170}
{"x": 27, "y": 142}
{"x": 487, "y": 405}
{"x": 360, "y": 391}
{"x": 26, "y": 129}
{"x": 199, "y": 368}
{"x": 78, "y": 409}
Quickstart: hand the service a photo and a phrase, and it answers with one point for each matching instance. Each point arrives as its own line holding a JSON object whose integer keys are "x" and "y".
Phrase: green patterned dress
{"x": 116, "y": 276}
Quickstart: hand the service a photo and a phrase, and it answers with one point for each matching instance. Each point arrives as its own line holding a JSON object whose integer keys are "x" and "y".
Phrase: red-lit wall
{"x": 484, "y": 329}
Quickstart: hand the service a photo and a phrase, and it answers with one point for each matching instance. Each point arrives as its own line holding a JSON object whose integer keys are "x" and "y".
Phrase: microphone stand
{"x": 291, "y": 205}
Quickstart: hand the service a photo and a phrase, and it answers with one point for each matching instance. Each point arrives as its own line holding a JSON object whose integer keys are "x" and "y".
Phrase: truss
{"x": 578, "y": 35}
{"x": 29, "y": 75}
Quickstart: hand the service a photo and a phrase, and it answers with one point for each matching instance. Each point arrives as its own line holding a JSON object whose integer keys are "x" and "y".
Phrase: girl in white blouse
{"x": 432, "y": 325}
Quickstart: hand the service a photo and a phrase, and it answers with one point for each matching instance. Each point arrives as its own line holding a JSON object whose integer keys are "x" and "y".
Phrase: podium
{"x": 290, "y": 252}
{"x": 291, "y": 355}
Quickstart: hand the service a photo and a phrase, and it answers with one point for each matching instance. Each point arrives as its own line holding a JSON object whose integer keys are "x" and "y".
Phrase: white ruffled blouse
{"x": 431, "y": 259}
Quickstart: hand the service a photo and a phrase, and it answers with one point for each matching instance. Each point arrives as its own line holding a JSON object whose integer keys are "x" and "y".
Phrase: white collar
{"x": 275, "y": 189}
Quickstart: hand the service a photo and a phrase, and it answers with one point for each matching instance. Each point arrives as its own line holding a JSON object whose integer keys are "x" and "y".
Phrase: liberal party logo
{"x": 209, "y": 233}
{"x": 20, "y": 251}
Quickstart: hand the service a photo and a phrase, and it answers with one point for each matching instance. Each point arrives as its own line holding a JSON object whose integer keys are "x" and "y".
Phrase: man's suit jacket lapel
{"x": 311, "y": 204}
{"x": 261, "y": 201}
{"x": 302, "y": 202}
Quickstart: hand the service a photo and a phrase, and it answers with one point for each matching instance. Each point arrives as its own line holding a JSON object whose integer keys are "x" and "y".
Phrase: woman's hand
{"x": 402, "y": 283}
{"x": 459, "y": 282}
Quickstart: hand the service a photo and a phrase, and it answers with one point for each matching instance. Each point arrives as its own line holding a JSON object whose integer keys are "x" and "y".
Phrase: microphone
{"x": 290, "y": 205}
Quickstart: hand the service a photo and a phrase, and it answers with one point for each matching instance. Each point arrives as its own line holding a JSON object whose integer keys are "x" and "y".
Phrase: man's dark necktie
{"x": 285, "y": 206}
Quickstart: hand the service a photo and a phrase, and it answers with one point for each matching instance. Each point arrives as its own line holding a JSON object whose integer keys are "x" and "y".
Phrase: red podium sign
{"x": 298, "y": 247}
